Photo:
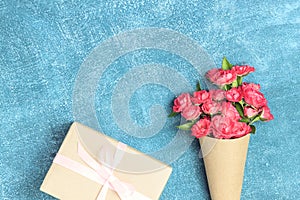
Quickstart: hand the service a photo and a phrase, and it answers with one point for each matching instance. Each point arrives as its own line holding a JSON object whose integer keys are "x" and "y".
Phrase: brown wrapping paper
{"x": 146, "y": 174}
{"x": 224, "y": 165}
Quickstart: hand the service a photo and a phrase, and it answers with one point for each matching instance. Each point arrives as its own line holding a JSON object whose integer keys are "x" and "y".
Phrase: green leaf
{"x": 198, "y": 87}
{"x": 226, "y": 87}
{"x": 240, "y": 110}
{"x": 253, "y": 129}
{"x": 226, "y": 64}
{"x": 239, "y": 80}
{"x": 235, "y": 83}
{"x": 255, "y": 119}
{"x": 186, "y": 126}
{"x": 241, "y": 102}
{"x": 262, "y": 119}
{"x": 246, "y": 120}
{"x": 173, "y": 114}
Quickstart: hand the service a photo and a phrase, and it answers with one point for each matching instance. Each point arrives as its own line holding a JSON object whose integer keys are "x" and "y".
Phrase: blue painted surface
{"x": 43, "y": 44}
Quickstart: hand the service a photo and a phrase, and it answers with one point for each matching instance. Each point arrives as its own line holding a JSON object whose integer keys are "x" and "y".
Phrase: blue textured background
{"x": 43, "y": 43}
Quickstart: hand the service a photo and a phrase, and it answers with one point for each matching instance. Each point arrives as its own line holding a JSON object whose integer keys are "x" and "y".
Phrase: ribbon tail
{"x": 103, "y": 192}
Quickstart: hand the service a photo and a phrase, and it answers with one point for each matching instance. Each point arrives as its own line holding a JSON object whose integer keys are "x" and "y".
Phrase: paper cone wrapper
{"x": 224, "y": 161}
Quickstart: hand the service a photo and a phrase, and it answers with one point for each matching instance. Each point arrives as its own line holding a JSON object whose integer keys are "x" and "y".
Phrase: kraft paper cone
{"x": 224, "y": 161}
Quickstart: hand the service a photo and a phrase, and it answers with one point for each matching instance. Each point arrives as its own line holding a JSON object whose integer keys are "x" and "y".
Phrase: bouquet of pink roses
{"x": 223, "y": 118}
{"x": 228, "y": 112}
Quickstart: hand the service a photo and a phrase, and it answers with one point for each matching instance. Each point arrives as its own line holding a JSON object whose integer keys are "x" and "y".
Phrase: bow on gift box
{"x": 100, "y": 173}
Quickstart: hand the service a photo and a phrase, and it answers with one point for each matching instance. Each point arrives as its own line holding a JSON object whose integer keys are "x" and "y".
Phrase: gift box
{"x": 91, "y": 165}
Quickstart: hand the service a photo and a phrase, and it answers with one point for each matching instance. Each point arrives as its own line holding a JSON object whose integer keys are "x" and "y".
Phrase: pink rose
{"x": 212, "y": 74}
{"x": 191, "y": 112}
{"x": 222, "y": 127}
{"x": 201, "y": 97}
{"x": 181, "y": 102}
{"x": 243, "y": 70}
{"x": 210, "y": 107}
{"x": 234, "y": 94}
{"x": 266, "y": 114}
{"x": 201, "y": 128}
{"x": 217, "y": 95}
{"x": 221, "y": 77}
{"x": 250, "y": 85}
{"x": 254, "y": 98}
{"x": 250, "y": 112}
{"x": 229, "y": 111}
{"x": 241, "y": 129}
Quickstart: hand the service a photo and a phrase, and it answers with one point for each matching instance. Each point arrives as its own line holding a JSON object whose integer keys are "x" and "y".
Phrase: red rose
{"x": 222, "y": 127}
{"x": 181, "y": 102}
{"x": 254, "y": 98}
{"x": 210, "y": 107}
{"x": 217, "y": 95}
{"x": 241, "y": 129}
{"x": 221, "y": 77}
{"x": 266, "y": 114}
{"x": 201, "y": 128}
{"x": 250, "y": 112}
{"x": 191, "y": 112}
{"x": 243, "y": 70}
{"x": 201, "y": 97}
{"x": 234, "y": 94}
{"x": 229, "y": 111}
{"x": 250, "y": 85}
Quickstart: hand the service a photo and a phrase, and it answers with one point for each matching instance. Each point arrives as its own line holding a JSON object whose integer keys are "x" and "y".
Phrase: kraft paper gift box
{"x": 90, "y": 165}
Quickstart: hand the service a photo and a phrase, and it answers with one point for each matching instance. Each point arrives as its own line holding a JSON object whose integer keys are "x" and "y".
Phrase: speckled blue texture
{"x": 43, "y": 44}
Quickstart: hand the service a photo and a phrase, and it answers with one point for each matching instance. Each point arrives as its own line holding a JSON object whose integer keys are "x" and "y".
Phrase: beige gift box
{"x": 146, "y": 175}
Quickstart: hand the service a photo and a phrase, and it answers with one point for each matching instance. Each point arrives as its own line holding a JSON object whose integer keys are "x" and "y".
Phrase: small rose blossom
{"x": 240, "y": 129}
{"x": 229, "y": 111}
{"x": 254, "y": 98}
{"x": 181, "y": 102}
{"x": 243, "y": 70}
{"x": 234, "y": 94}
{"x": 211, "y": 107}
{"x": 250, "y": 112}
{"x": 217, "y": 95}
{"x": 200, "y": 97}
{"x": 222, "y": 127}
{"x": 226, "y": 128}
{"x": 212, "y": 74}
{"x": 250, "y": 85}
{"x": 266, "y": 114}
{"x": 191, "y": 112}
{"x": 201, "y": 128}
{"x": 221, "y": 77}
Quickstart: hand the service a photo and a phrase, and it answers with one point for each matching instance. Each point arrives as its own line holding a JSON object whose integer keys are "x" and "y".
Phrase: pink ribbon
{"x": 97, "y": 172}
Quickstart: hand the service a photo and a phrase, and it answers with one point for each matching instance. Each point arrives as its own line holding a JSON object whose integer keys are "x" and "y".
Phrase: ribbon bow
{"x": 99, "y": 173}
